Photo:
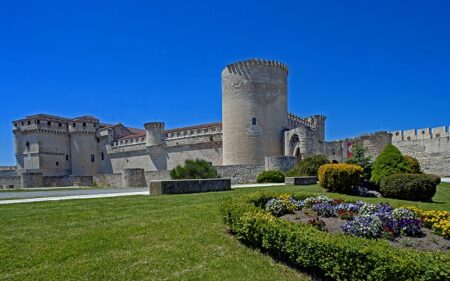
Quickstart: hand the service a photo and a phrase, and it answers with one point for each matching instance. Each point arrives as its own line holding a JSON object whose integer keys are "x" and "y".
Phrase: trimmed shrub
{"x": 437, "y": 179}
{"x": 194, "y": 169}
{"x": 389, "y": 162}
{"x": 413, "y": 164}
{"x": 308, "y": 166}
{"x": 270, "y": 176}
{"x": 414, "y": 187}
{"x": 341, "y": 178}
{"x": 338, "y": 256}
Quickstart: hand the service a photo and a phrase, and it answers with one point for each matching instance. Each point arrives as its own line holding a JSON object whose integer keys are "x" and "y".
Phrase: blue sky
{"x": 383, "y": 65}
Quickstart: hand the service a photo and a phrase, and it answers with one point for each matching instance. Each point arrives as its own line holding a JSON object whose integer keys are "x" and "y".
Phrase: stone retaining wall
{"x": 108, "y": 180}
{"x": 10, "y": 182}
{"x": 300, "y": 180}
{"x": 188, "y": 186}
{"x": 53, "y": 181}
{"x": 240, "y": 174}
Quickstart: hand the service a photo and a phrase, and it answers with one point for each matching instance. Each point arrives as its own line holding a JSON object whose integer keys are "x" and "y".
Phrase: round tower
{"x": 254, "y": 110}
{"x": 153, "y": 133}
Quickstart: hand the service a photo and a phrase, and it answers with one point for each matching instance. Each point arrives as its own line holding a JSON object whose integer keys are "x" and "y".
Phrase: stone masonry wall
{"x": 240, "y": 174}
{"x": 55, "y": 181}
{"x": 433, "y": 154}
{"x": 10, "y": 182}
{"x": 108, "y": 180}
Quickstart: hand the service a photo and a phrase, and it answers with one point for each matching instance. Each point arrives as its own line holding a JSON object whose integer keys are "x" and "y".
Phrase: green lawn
{"x": 173, "y": 237}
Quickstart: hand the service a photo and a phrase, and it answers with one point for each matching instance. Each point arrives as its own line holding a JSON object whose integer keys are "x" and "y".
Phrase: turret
{"x": 153, "y": 133}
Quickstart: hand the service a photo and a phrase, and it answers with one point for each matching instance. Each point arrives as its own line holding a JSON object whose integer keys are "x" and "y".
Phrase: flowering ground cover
{"x": 171, "y": 237}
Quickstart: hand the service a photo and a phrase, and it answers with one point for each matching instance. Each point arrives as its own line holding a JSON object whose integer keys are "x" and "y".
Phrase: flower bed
{"x": 340, "y": 256}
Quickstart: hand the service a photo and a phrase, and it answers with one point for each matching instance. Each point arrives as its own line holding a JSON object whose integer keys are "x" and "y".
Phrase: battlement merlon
{"x": 421, "y": 134}
{"x": 255, "y": 61}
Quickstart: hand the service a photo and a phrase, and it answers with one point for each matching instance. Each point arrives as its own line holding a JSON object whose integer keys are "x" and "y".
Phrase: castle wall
{"x": 10, "y": 182}
{"x": 240, "y": 174}
{"x": 254, "y": 111}
{"x": 339, "y": 150}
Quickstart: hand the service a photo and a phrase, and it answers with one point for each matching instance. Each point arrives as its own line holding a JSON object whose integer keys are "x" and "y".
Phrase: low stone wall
{"x": 189, "y": 186}
{"x": 108, "y": 180}
{"x": 300, "y": 180}
{"x": 240, "y": 174}
{"x": 10, "y": 182}
{"x": 54, "y": 181}
{"x": 157, "y": 175}
{"x": 32, "y": 180}
{"x": 133, "y": 178}
{"x": 280, "y": 163}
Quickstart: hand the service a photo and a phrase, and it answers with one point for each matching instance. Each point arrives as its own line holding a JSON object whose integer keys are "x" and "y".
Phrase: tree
{"x": 360, "y": 157}
{"x": 194, "y": 169}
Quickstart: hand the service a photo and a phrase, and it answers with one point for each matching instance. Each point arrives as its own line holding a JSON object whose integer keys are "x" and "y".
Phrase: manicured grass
{"x": 172, "y": 237}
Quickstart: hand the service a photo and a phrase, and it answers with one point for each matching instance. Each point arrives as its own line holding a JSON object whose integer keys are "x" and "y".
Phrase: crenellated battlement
{"x": 154, "y": 125}
{"x": 261, "y": 62}
{"x": 421, "y": 134}
{"x": 295, "y": 121}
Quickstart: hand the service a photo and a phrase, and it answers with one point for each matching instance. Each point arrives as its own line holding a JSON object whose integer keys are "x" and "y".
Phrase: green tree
{"x": 413, "y": 164}
{"x": 389, "y": 162}
{"x": 360, "y": 157}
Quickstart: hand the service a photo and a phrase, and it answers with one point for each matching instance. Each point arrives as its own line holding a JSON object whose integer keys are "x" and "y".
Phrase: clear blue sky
{"x": 382, "y": 65}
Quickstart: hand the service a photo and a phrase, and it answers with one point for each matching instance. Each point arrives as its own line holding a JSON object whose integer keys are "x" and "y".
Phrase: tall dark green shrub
{"x": 194, "y": 169}
{"x": 308, "y": 166}
{"x": 389, "y": 162}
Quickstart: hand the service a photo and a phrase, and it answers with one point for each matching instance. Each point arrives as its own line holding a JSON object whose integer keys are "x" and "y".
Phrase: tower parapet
{"x": 154, "y": 133}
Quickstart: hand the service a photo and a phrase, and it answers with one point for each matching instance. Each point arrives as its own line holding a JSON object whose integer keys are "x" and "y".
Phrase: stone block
{"x": 300, "y": 180}
{"x": 188, "y": 186}
{"x": 32, "y": 180}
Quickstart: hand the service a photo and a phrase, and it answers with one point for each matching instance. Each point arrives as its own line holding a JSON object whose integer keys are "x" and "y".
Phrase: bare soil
{"x": 428, "y": 242}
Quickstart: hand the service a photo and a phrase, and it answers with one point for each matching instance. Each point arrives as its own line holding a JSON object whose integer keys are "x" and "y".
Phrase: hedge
{"x": 341, "y": 178}
{"x": 194, "y": 169}
{"x": 270, "y": 176}
{"x": 338, "y": 256}
{"x": 414, "y": 187}
{"x": 389, "y": 162}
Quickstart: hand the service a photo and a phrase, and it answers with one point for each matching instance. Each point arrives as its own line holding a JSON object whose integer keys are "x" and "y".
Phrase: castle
{"x": 256, "y": 126}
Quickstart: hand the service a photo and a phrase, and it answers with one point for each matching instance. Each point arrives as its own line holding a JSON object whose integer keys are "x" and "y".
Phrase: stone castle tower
{"x": 254, "y": 110}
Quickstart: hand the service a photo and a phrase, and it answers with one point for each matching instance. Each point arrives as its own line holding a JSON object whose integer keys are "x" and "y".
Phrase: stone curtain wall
{"x": 433, "y": 154}
{"x": 240, "y": 174}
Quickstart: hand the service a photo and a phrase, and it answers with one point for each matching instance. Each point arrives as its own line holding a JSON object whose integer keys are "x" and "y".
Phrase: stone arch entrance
{"x": 294, "y": 147}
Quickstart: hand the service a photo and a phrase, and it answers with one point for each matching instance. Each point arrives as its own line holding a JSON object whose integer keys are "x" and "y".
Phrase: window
{"x": 57, "y": 163}
{"x": 49, "y": 123}
{"x": 92, "y": 158}
{"x": 27, "y": 144}
{"x": 22, "y": 123}
{"x": 408, "y": 138}
{"x": 438, "y": 135}
{"x": 38, "y": 121}
{"x": 84, "y": 124}
{"x": 397, "y": 134}
{"x": 103, "y": 156}
{"x": 29, "y": 122}
{"x": 74, "y": 125}
{"x": 254, "y": 121}
{"x": 67, "y": 157}
{"x": 59, "y": 124}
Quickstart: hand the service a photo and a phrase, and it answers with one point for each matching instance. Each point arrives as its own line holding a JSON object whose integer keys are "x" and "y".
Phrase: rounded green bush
{"x": 413, "y": 164}
{"x": 413, "y": 187}
{"x": 389, "y": 162}
{"x": 308, "y": 166}
{"x": 341, "y": 178}
{"x": 272, "y": 176}
{"x": 194, "y": 169}
{"x": 437, "y": 179}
